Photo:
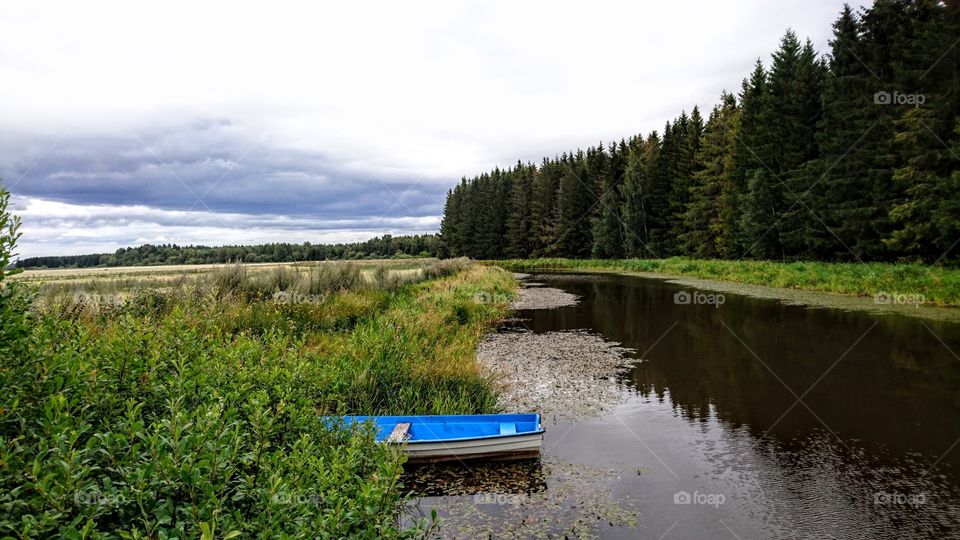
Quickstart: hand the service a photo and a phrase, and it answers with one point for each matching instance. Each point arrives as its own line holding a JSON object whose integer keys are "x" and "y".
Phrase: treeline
{"x": 428, "y": 245}
{"x": 852, "y": 156}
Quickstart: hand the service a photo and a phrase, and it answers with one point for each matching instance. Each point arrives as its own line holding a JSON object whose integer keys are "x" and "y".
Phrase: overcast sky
{"x": 203, "y": 123}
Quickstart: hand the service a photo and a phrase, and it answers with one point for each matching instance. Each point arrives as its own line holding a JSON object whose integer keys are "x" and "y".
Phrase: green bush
{"x": 230, "y": 279}
{"x": 198, "y": 410}
{"x": 446, "y": 267}
{"x": 14, "y": 297}
{"x": 150, "y": 431}
{"x": 332, "y": 277}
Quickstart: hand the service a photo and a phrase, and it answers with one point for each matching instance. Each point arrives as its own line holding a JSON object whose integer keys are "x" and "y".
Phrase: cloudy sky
{"x": 230, "y": 123}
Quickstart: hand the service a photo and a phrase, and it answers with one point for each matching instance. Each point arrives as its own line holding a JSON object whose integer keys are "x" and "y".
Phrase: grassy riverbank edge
{"x": 886, "y": 282}
{"x": 184, "y": 411}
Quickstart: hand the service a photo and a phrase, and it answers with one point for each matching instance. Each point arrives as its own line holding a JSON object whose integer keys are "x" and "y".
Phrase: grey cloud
{"x": 211, "y": 165}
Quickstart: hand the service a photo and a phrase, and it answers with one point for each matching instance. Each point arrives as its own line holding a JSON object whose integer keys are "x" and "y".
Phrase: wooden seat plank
{"x": 400, "y": 433}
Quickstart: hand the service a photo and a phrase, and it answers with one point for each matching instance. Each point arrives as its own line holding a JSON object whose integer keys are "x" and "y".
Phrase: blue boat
{"x": 427, "y": 439}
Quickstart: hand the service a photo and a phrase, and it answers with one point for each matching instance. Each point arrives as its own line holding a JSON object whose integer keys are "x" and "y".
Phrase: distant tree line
{"x": 386, "y": 246}
{"x": 849, "y": 157}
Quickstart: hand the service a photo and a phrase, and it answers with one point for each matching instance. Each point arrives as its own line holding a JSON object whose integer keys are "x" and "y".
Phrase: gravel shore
{"x": 562, "y": 375}
{"x": 544, "y": 298}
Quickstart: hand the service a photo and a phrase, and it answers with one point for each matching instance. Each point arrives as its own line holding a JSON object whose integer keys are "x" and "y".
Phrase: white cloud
{"x": 367, "y": 93}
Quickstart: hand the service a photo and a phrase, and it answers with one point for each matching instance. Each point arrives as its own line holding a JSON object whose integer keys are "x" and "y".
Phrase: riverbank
{"x": 159, "y": 412}
{"x": 881, "y": 283}
{"x": 568, "y": 377}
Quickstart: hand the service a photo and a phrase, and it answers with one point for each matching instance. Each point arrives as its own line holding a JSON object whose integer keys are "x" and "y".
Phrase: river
{"x": 740, "y": 417}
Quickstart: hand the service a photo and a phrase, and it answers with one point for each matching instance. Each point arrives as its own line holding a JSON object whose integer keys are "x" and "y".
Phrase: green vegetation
{"x": 937, "y": 285}
{"x": 851, "y": 157}
{"x": 197, "y": 410}
{"x": 14, "y": 297}
{"x": 381, "y": 247}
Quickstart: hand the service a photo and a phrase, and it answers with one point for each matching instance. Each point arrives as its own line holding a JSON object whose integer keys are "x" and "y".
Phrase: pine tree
{"x": 844, "y": 93}
{"x": 751, "y": 151}
{"x": 729, "y": 233}
{"x": 546, "y": 208}
{"x": 702, "y": 220}
{"x": 450, "y": 224}
{"x": 608, "y": 230}
{"x": 635, "y": 233}
{"x": 686, "y": 133}
{"x": 660, "y": 152}
{"x": 799, "y": 221}
{"x": 760, "y": 217}
{"x": 520, "y": 219}
{"x": 946, "y": 217}
{"x": 806, "y": 165}
{"x": 923, "y": 226}
{"x": 574, "y": 237}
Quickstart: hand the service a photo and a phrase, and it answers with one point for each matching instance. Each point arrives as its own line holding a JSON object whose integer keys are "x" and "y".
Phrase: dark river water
{"x": 747, "y": 419}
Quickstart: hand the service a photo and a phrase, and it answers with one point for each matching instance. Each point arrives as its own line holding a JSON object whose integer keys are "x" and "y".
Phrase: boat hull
{"x": 498, "y": 448}
{"x": 426, "y": 438}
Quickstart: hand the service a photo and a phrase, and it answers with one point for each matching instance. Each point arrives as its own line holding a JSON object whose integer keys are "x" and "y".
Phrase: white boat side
{"x": 521, "y": 445}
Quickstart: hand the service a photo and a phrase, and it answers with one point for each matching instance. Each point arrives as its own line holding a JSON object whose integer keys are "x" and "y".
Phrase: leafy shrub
{"x": 230, "y": 279}
{"x": 446, "y": 267}
{"x": 14, "y": 297}
{"x": 151, "y": 431}
{"x": 332, "y": 277}
{"x": 386, "y": 280}
{"x": 280, "y": 278}
{"x": 198, "y": 410}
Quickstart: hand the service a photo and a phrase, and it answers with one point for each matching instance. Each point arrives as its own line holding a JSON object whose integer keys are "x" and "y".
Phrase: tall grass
{"x": 200, "y": 407}
{"x": 938, "y": 285}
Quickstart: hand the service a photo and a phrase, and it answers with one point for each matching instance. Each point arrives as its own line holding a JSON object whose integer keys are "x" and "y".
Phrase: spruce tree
{"x": 751, "y": 152}
{"x": 450, "y": 224}
{"x": 520, "y": 219}
{"x": 608, "y": 229}
{"x": 846, "y": 94}
{"x": 635, "y": 233}
{"x": 687, "y": 132}
{"x": 574, "y": 238}
{"x": 545, "y": 207}
{"x": 760, "y": 217}
{"x": 703, "y": 224}
{"x": 799, "y": 221}
{"x": 922, "y": 225}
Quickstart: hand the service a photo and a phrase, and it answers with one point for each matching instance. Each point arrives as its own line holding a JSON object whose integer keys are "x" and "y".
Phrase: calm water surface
{"x": 754, "y": 419}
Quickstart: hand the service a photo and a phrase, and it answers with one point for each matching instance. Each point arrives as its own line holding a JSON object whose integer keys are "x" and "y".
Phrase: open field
{"x": 53, "y": 274}
{"x": 116, "y": 284}
{"x": 888, "y": 282}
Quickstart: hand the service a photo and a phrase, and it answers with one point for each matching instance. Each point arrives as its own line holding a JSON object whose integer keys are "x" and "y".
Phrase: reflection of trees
{"x": 898, "y": 386}
{"x": 516, "y": 477}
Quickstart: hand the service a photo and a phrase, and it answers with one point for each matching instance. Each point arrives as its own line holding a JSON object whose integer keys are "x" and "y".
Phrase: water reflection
{"x": 524, "y": 477}
{"x": 808, "y": 423}
{"x": 882, "y": 380}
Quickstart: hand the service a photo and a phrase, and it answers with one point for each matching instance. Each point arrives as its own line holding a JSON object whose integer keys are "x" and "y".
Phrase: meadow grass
{"x": 199, "y": 409}
{"x": 937, "y": 284}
